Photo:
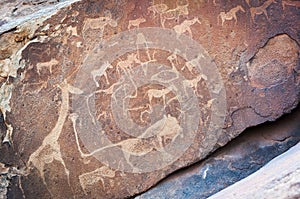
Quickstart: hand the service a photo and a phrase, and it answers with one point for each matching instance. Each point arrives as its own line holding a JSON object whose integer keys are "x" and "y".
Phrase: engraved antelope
{"x": 261, "y": 9}
{"x": 90, "y": 178}
{"x": 174, "y": 14}
{"x": 98, "y": 23}
{"x": 193, "y": 63}
{"x": 101, "y": 72}
{"x": 192, "y": 82}
{"x": 136, "y": 22}
{"x": 158, "y": 93}
{"x": 231, "y": 14}
{"x": 294, "y": 3}
{"x": 185, "y": 26}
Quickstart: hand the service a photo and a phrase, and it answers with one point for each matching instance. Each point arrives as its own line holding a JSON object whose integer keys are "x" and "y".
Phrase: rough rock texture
{"x": 280, "y": 178}
{"x": 238, "y": 159}
{"x": 104, "y": 95}
{"x": 15, "y": 12}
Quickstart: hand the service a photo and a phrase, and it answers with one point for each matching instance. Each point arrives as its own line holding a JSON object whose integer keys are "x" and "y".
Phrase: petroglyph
{"x": 190, "y": 65}
{"x": 149, "y": 110}
{"x": 174, "y": 14}
{"x": 157, "y": 9}
{"x": 158, "y": 93}
{"x": 166, "y": 76}
{"x": 126, "y": 65}
{"x": 50, "y": 148}
{"x": 192, "y": 82}
{"x": 47, "y": 65}
{"x": 294, "y": 3}
{"x": 101, "y": 72}
{"x": 91, "y": 178}
{"x": 173, "y": 57}
{"x": 136, "y": 22}
{"x": 156, "y": 110}
{"x": 98, "y": 23}
{"x": 185, "y": 26}
{"x": 231, "y": 14}
{"x": 261, "y": 9}
{"x": 168, "y": 127}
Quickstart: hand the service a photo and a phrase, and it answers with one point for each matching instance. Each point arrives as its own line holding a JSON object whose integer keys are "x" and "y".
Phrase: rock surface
{"x": 103, "y": 95}
{"x": 241, "y": 157}
{"x": 278, "y": 179}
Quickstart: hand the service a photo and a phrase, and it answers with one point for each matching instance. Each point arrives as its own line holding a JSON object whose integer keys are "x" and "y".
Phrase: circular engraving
{"x": 154, "y": 107}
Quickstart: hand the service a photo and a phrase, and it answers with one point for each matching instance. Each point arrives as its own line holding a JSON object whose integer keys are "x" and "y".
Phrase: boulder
{"x": 103, "y": 99}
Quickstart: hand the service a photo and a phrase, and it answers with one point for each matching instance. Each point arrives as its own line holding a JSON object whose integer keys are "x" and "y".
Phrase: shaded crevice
{"x": 236, "y": 160}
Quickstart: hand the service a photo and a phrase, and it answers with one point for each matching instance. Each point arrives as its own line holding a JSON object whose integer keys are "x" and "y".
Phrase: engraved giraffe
{"x": 136, "y": 22}
{"x": 49, "y": 150}
{"x": 185, "y": 26}
{"x": 261, "y": 9}
{"x": 294, "y": 3}
{"x": 231, "y": 14}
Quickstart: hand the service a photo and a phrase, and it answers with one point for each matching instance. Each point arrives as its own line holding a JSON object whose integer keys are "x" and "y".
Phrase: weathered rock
{"x": 235, "y": 161}
{"x": 104, "y": 95}
{"x": 278, "y": 179}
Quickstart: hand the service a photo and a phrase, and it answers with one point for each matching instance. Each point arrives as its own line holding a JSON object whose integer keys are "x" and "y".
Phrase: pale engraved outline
{"x": 124, "y": 42}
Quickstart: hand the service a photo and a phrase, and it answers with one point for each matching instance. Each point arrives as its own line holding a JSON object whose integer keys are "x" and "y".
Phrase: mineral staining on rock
{"x": 130, "y": 91}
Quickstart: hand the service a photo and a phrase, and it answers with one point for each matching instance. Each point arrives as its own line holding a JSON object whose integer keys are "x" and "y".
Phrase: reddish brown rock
{"x": 105, "y": 95}
{"x": 241, "y": 157}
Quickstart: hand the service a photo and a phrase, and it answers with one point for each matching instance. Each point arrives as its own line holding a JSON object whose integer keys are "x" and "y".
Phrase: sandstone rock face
{"x": 104, "y": 95}
{"x": 243, "y": 156}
